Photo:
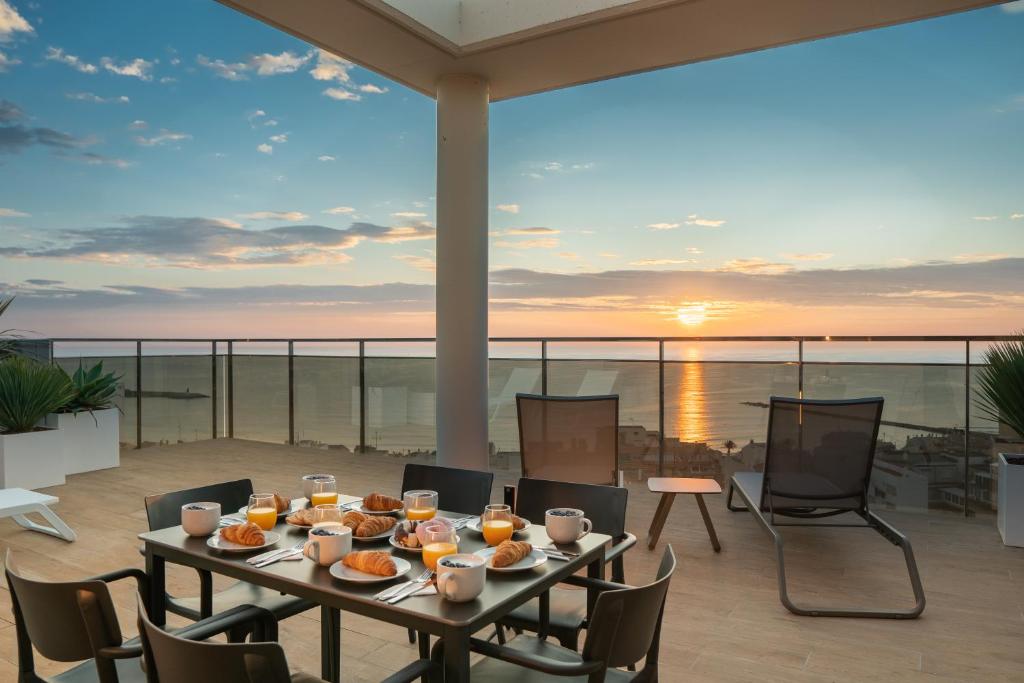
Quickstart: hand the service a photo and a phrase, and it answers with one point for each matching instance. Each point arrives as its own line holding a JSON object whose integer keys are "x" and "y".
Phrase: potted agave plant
{"x": 89, "y": 421}
{"x": 1001, "y": 397}
{"x": 31, "y": 455}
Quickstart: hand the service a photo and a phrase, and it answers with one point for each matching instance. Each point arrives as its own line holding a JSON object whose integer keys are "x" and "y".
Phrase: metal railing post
{"x": 291, "y": 393}
{"x": 231, "y": 390}
{"x": 800, "y": 368}
{"x": 213, "y": 389}
{"x": 138, "y": 394}
{"x": 362, "y": 396}
{"x": 661, "y": 408}
{"x": 544, "y": 367}
{"x": 967, "y": 426}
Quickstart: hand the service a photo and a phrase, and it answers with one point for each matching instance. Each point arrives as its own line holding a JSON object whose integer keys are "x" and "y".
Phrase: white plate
{"x": 358, "y": 507}
{"x": 381, "y": 535}
{"x": 535, "y": 559}
{"x": 475, "y": 525}
{"x": 419, "y": 549}
{"x": 218, "y": 543}
{"x": 340, "y": 571}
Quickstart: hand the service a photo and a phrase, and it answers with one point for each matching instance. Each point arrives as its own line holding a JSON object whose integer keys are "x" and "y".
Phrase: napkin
{"x": 429, "y": 589}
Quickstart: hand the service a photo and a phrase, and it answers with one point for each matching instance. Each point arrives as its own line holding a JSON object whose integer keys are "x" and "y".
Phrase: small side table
{"x": 669, "y": 487}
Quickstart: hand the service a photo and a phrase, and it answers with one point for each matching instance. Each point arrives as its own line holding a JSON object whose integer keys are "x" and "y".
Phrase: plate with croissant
{"x": 512, "y": 556}
{"x": 369, "y": 566}
{"x": 302, "y": 518}
{"x": 367, "y": 528}
{"x": 378, "y": 504}
{"x": 518, "y": 524}
{"x": 241, "y": 538}
{"x": 283, "y": 504}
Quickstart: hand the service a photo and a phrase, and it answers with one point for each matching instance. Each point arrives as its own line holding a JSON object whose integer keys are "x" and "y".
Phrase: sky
{"x": 179, "y": 169}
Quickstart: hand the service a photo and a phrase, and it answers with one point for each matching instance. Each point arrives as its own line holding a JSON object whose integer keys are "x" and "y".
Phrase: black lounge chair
{"x": 817, "y": 464}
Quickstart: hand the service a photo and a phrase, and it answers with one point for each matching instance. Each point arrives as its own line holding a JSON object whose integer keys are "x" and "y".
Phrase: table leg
{"x": 707, "y": 522}
{"x": 330, "y": 644}
{"x": 155, "y": 569}
{"x": 544, "y": 612}
{"x": 660, "y": 515}
{"x": 456, "y": 655}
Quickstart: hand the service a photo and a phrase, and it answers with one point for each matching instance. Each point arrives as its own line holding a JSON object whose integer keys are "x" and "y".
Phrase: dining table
{"x": 432, "y": 614}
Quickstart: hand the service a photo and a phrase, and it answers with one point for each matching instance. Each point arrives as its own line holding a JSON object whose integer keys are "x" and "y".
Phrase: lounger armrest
{"x": 243, "y": 615}
{"x": 620, "y": 546}
{"x": 127, "y": 573}
{"x": 535, "y": 662}
{"x": 597, "y": 584}
{"x": 120, "y": 652}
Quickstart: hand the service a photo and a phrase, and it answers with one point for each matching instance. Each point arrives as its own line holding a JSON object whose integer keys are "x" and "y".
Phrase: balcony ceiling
{"x": 529, "y": 46}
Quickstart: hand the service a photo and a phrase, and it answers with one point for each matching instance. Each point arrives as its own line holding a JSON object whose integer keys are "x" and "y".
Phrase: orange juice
{"x": 497, "y": 530}
{"x": 326, "y": 498}
{"x": 264, "y": 518}
{"x": 420, "y": 513}
{"x": 435, "y": 551}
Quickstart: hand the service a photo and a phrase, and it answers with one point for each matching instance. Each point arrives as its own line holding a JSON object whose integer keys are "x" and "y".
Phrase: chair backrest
{"x": 626, "y": 624}
{"x": 66, "y": 621}
{"x": 604, "y": 506}
{"x": 819, "y": 453}
{"x": 164, "y": 509}
{"x": 569, "y": 438}
{"x": 458, "y": 490}
{"x": 170, "y": 659}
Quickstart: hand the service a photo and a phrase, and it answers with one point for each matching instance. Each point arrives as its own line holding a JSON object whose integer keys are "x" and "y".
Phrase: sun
{"x": 692, "y": 315}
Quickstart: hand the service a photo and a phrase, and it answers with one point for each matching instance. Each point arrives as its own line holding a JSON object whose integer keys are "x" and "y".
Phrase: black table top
{"x": 502, "y": 593}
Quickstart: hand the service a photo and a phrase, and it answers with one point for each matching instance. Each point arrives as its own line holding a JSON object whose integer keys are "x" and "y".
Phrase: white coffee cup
{"x": 307, "y": 483}
{"x": 566, "y": 525}
{"x": 460, "y": 577}
{"x": 200, "y": 519}
{"x": 327, "y": 544}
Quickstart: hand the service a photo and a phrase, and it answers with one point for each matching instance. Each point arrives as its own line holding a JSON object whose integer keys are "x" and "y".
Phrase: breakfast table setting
{"x": 405, "y": 561}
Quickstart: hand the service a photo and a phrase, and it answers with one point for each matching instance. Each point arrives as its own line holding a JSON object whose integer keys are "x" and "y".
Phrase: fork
{"x": 261, "y": 561}
{"x": 410, "y": 590}
{"x": 390, "y": 592}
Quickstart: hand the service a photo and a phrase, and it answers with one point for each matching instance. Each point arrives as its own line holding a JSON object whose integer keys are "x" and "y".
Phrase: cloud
{"x": 532, "y": 231}
{"x": 409, "y": 214}
{"x": 285, "y": 63}
{"x": 544, "y": 168}
{"x": 274, "y": 216}
{"x": 9, "y": 111}
{"x": 423, "y": 263}
{"x": 508, "y": 208}
{"x": 1016, "y": 7}
{"x": 11, "y": 213}
{"x": 325, "y": 157}
{"x": 163, "y": 137}
{"x": 816, "y": 256}
{"x": 663, "y": 226}
{"x": 96, "y": 99}
{"x": 56, "y": 54}
{"x": 138, "y": 124}
{"x": 94, "y": 159}
{"x": 331, "y": 68}
{"x": 11, "y": 22}
{"x": 1016, "y": 216}
{"x": 136, "y": 68}
{"x": 694, "y": 219}
{"x": 985, "y": 218}
{"x": 342, "y": 94}
{"x": 539, "y": 243}
{"x": 609, "y": 255}
{"x": 339, "y": 210}
{"x": 694, "y": 250}
{"x": 372, "y": 89}
{"x": 756, "y": 265}
{"x": 280, "y": 139}
{"x": 660, "y": 262}
{"x": 230, "y": 71}
{"x": 568, "y": 255}
{"x": 162, "y": 241}
{"x": 265, "y": 148}
{"x": 978, "y": 258}
{"x": 7, "y": 62}
{"x": 14, "y": 139}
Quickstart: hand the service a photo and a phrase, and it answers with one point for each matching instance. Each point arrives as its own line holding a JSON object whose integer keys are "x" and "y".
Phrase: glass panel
{"x": 400, "y": 399}
{"x": 513, "y": 369}
{"x": 177, "y": 392}
{"x": 327, "y": 396}
{"x": 260, "y": 377}
{"x": 118, "y": 357}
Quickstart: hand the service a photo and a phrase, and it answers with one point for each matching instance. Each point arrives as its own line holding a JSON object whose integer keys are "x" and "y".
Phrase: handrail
{"x": 512, "y": 340}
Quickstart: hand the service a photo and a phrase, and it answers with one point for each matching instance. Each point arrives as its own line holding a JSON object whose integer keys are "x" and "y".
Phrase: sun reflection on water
{"x": 691, "y": 411}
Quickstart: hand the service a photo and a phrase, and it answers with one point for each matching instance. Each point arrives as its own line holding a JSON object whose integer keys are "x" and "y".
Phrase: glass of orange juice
{"x": 438, "y": 543}
{"x": 325, "y": 492}
{"x": 420, "y": 505}
{"x": 327, "y": 515}
{"x": 496, "y": 523}
{"x": 262, "y": 511}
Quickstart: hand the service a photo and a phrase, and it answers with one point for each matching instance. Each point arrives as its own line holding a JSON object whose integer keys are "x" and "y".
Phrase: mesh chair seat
{"x": 567, "y": 613}
{"x": 497, "y": 671}
{"x": 128, "y": 671}
{"x": 241, "y": 593}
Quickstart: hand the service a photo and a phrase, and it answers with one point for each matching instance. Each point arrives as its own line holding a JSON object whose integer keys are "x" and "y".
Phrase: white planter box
{"x": 91, "y": 441}
{"x": 1011, "y": 501}
{"x": 32, "y": 460}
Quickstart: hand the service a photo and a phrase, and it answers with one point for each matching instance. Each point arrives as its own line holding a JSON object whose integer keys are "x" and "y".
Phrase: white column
{"x": 462, "y": 271}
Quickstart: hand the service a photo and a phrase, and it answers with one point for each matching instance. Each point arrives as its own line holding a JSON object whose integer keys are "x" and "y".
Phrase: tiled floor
{"x": 723, "y": 621}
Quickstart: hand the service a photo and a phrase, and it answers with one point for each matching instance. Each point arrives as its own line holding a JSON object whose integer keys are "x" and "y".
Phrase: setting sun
{"x": 691, "y": 315}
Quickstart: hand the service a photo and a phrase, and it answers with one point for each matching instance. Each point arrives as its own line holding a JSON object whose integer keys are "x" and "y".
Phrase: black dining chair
{"x": 625, "y": 628}
{"x": 164, "y": 510}
{"x": 72, "y": 621}
{"x": 605, "y": 507}
{"x": 173, "y": 659}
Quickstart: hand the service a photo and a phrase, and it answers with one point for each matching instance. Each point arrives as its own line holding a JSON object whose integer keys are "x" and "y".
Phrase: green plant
{"x": 94, "y": 389}
{"x": 29, "y": 391}
{"x": 7, "y": 337}
{"x": 1001, "y": 384}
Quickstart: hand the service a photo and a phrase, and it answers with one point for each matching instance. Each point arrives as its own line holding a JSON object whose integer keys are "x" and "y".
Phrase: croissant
{"x": 518, "y": 523}
{"x": 372, "y": 562}
{"x": 281, "y": 503}
{"x": 246, "y": 533}
{"x": 509, "y": 552}
{"x": 353, "y": 519}
{"x": 303, "y": 517}
{"x": 378, "y": 502}
{"x": 372, "y": 526}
